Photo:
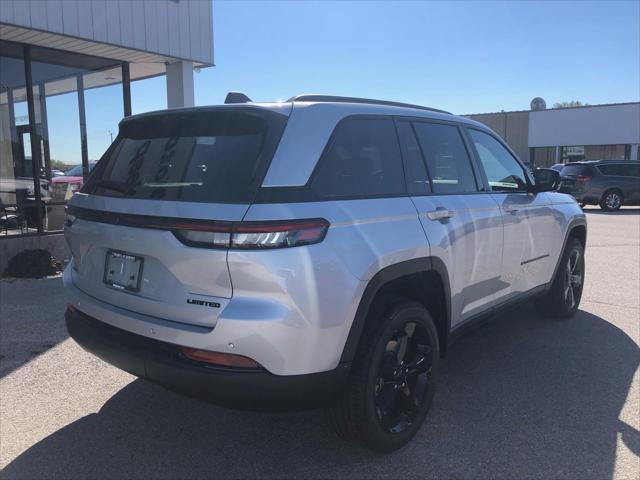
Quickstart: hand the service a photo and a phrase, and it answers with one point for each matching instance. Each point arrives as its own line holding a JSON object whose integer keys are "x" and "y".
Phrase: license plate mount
{"x": 123, "y": 270}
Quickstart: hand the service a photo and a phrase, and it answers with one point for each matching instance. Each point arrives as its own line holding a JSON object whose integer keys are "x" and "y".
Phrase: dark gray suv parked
{"x": 607, "y": 183}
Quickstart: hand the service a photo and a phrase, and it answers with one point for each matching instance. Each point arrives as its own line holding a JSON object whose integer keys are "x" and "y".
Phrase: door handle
{"x": 440, "y": 214}
{"x": 512, "y": 211}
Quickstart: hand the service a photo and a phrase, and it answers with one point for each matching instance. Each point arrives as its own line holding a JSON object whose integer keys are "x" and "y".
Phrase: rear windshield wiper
{"x": 113, "y": 185}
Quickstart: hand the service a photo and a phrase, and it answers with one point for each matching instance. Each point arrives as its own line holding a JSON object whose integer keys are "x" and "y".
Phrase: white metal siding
{"x": 54, "y": 16}
{"x": 605, "y": 125}
{"x": 70, "y": 18}
{"x": 180, "y": 29}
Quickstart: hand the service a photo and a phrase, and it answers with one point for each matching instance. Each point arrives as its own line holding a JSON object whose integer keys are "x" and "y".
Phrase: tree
{"x": 59, "y": 165}
{"x": 572, "y": 103}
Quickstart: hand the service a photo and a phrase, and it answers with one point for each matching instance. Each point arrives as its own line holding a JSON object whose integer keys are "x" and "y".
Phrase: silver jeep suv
{"x": 319, "y": 251}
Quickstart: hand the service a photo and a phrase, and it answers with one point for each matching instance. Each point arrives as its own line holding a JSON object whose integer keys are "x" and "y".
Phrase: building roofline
{"x": 559, "y": 108}
{"x": 81, "y": 46}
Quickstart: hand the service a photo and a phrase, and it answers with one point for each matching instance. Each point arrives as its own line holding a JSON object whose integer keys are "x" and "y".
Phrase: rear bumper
{"x": 162, "y": 363}
{"x": 581, "y": 194}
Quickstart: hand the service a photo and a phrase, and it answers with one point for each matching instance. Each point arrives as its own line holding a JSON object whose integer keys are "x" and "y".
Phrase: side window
{"x": 416, "y": 172}
{"x": 363, "y": 159}
{"x": 447, "y": 160}
{"x": 634, "y": 170}
{"x": 607, "y": 169}
{"x": 618, "y": 170}
{"x": 503, "y": 171}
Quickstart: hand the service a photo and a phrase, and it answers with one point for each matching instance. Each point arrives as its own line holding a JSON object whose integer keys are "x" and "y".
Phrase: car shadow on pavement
{"x": 29, "y": 329}
{"x": 519, "y": 397}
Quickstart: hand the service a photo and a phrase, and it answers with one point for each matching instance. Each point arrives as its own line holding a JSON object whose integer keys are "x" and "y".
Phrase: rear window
{"x": 198, "y": 156}
{"x": 575, "y": 170}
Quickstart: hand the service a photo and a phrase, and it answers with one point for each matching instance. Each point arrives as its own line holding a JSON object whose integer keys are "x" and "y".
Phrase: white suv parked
{"x": 320, "y": 251}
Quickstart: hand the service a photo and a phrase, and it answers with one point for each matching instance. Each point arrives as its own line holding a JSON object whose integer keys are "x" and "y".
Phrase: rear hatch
{"x": 574, "y": 177}
{"x": 167, "y": 173}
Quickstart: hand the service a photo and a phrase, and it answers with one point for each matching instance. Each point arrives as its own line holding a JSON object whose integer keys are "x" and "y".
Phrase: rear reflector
{"x": 254, "y": 235}
{"x": 220, "y": 359}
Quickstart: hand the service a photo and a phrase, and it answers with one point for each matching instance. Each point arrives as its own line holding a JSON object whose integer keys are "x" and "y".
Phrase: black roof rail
{"x": 332, "y": 98}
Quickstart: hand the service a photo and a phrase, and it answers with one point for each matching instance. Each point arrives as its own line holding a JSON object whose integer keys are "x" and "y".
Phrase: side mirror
{"x": 546, "y": 180}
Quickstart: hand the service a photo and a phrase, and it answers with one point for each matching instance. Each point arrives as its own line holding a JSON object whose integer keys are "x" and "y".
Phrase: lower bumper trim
{"x": 162, "y": 363}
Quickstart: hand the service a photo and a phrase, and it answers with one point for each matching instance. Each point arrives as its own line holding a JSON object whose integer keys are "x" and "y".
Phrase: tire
{"x": 611, "y": 200}
{"x": 563, "y": 298}
{"x": 383, "y": 406}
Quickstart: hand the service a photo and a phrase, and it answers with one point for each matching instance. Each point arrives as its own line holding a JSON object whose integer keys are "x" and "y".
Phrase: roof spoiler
{"x": 236, "y": 97}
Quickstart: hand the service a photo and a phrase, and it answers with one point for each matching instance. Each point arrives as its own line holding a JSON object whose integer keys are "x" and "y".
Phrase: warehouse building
{"x": 65, "y": 65}
{"x": 543, "y": 137}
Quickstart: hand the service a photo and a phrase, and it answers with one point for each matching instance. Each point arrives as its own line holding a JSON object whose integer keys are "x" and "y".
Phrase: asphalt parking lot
{"x": 521, "y": 397}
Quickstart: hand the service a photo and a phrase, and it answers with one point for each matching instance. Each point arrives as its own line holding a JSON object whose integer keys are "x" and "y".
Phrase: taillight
{"x": 253, "y": 235}
{"x": 583, "y": 178}
{"x": 207, "y": 236}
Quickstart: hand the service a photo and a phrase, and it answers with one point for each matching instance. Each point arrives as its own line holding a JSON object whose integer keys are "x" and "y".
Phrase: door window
{"x": 448, "y": 163}
{"x": 503, "y": 171}
{"x": 363, "y": 159}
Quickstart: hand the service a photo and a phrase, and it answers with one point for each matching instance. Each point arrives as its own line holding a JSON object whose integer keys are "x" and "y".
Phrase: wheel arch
{"x": 577, "y": 229}
{"x": 612, "y": 189}
{"x": 413, "y": 279}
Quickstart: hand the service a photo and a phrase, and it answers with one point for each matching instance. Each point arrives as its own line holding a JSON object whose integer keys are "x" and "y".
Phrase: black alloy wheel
{"x": 563, "y": 298}
{"x": 573, "y": 278}
{"x": 392, "y": 380}
{"x": 403, "y": 379}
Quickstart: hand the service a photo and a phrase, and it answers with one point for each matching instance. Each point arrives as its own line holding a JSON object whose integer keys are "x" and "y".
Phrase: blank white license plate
{"x": 123, "y": 270}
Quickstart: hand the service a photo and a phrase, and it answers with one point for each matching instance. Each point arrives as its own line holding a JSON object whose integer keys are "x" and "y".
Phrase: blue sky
{"x": 465, "y": 57}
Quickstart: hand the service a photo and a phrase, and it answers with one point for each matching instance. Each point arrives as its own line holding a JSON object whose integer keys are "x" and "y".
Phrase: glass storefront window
{"x": 148, "y": 94}
{"x": 104, "y": 109}
{"x": 577, "y": 153}
{"x": 76, "y": 102}
{"x": 63, "y": 84}
{"x": 543, "y": 157}
{"x": 16, "y": 180}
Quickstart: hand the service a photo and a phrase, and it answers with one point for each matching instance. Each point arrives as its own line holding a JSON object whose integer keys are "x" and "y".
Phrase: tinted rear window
{"x": 197, "y": 156}
{"x": 575, "y": 170}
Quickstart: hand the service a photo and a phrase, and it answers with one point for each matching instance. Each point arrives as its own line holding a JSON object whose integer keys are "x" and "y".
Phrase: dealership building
{"x": 69, "y": 71}
{"x": 543, "y": 137}
{"x": 67, "y": 67}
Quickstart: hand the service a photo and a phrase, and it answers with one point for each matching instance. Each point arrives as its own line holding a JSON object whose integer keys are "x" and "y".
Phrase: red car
{"x": 66, "y": 185}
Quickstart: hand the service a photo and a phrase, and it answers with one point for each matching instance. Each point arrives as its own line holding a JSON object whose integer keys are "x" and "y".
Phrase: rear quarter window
{"x": 362, "y": 159}
{"x": 617, "y": 170}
